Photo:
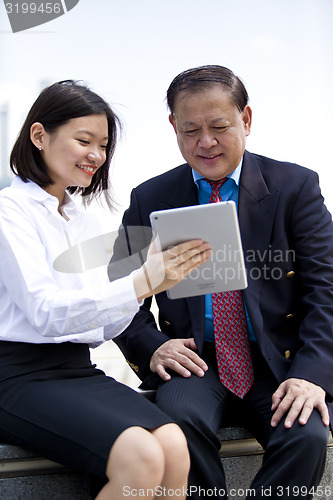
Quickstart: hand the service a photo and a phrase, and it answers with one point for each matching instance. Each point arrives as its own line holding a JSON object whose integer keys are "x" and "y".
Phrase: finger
{"x": 175, "y": 367}
{"x": 161, "y": 372}
{"x": 188, "y": 349}
{"x": 181, "y": 363}
{"x": 276, "y": 418}
{"x": 191, "y": 255}
{"x": 193, "y": 362}
{"x": 184, "y": 267}
{"x": 190, "y": 343}
{"x": 277, "y": 397}
{"x": 197, "y": 258}
{"x": 275, "y": 402}
{"x": 281, "y": 410}
{"x": 196, "y": 366}
{"x": 184, "y": 247}
{"x": 305, "y": 414}
{"x": 189, "y": 258}
{"x": 323, "y": 410}
{"x": 295, "y": 410}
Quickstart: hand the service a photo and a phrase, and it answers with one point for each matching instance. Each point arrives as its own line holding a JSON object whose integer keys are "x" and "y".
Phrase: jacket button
{"x": 287, "y": 354}
{"x": 290, "y": 274}
{"x": 167, "y": 323}
{"x": 289, "y": 316}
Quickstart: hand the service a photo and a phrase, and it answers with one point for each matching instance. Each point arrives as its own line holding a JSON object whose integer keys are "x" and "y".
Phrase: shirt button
{"x": 287, "y": 354}
{"x": 289, "y": 316}
{"x": 290, "y": 274}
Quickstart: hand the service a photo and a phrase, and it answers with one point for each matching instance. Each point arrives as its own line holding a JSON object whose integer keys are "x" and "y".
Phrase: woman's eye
{"x": 83, "y": 141}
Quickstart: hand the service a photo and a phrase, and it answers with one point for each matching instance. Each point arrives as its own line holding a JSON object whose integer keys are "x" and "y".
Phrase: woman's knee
{"x": 137, "y": 450}
{"x": 174, "y": 445}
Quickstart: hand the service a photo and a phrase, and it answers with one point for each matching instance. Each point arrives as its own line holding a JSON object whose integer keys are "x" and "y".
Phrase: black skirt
{"x": 54, "y": 402}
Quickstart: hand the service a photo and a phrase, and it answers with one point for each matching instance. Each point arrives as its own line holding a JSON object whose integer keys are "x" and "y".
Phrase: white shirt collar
{"x": 32, "y": 190}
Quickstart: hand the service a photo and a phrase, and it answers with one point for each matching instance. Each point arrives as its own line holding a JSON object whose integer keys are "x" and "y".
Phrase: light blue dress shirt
{"x": 229, "y": 191}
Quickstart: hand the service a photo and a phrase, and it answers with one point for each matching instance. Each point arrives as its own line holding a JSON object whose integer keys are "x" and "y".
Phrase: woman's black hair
{"x": 55, "y": 106}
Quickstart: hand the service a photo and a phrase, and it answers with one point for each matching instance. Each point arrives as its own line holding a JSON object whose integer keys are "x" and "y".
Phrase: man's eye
{"x": 220, "y": 129}
{"x": 189, "y": 132}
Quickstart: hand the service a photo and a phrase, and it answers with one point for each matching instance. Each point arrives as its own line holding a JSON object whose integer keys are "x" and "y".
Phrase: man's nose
{"x": 207, "y": 140}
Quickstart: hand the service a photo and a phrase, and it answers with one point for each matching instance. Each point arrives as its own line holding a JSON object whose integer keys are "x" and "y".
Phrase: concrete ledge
{"x": 237, "y": 441}
{"x": 25, "y": 476}
{"x": 15, "y": 461}
{"x": 242, "y": 455}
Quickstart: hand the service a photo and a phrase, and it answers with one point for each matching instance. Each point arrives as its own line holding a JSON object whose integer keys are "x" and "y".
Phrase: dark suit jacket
{"x": 287, "y": 238}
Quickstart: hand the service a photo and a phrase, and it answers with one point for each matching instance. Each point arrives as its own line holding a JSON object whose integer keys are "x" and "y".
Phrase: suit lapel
{"x": 257, "y": 208}
{"x": 185, "y": 191}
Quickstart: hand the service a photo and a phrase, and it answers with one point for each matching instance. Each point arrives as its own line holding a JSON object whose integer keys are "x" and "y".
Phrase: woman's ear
{"x": 37, "y": 134}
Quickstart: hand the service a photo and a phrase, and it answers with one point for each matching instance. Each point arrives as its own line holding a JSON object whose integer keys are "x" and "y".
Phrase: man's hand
{"x": 177, "y": 355}
{"x": 298, "y": 397}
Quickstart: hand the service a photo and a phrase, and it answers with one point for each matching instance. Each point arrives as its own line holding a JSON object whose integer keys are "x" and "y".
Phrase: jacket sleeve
{"x": 312, "y": 234}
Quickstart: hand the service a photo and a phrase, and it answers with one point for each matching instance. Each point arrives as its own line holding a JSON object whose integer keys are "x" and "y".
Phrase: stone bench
{"x": 25, "y": 476}
{"x": 242, "y": 455}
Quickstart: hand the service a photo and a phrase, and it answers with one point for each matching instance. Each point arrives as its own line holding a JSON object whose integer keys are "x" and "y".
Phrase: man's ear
{"x": 37, "y": 135}
{"x": 247, "y": 119}
{"x": 173, "y": 122}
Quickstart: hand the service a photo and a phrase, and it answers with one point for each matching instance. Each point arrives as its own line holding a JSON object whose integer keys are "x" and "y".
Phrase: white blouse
{"x": 49, "y": 291}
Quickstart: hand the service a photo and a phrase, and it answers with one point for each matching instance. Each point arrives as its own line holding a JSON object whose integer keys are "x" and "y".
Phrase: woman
{"x": 53, "y": 401}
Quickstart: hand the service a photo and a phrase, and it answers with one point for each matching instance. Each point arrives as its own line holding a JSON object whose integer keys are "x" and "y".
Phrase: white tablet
{"x": 216, "y": 223}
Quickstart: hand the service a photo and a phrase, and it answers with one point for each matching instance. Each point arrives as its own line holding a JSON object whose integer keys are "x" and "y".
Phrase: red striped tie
{"x": 233, "y": 353}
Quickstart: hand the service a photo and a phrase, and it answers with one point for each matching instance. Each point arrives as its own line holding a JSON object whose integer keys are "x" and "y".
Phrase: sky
{"x": 129, "y": 52}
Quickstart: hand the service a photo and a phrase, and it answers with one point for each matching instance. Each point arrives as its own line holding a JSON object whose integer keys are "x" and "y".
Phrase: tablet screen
{"x": 216, "y": 223}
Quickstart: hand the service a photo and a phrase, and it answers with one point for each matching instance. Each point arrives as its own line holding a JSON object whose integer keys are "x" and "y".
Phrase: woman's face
{"x": 74, "y": 152}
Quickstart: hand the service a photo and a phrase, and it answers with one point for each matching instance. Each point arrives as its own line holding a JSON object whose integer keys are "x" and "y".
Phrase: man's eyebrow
{"x": 211, "y": 122}
{"x": 189, "y": 124}
{"x": 217, "y": 120}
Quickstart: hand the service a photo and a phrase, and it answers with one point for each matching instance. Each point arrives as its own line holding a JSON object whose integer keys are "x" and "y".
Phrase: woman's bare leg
{"x": 135, "y": 462}
{"x": 177, "y": 461}
{"x": 149, "y": 462}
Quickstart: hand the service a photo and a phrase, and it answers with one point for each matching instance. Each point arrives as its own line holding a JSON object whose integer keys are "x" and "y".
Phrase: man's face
{"x": 211, "y": 131}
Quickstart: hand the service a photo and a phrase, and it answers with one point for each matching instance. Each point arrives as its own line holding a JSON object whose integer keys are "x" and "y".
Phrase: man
{"x": 287, "y": 239}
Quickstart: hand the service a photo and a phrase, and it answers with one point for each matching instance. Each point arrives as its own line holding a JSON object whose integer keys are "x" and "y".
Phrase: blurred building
{"x": 15, "y": 102}
{"x": 4, "y": 153}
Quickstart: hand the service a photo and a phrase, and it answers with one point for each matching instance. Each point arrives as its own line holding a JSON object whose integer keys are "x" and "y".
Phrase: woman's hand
{"x": 163, "y": 270}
